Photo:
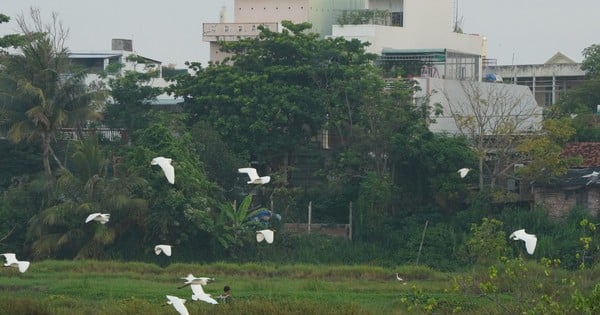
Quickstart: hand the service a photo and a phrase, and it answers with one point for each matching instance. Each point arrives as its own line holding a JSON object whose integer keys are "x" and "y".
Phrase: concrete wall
{"x": 453, "y": 96}
{"x": 559, "y": 202}
{"x": 381, "y": 36}
{"x": 270, "y": 11}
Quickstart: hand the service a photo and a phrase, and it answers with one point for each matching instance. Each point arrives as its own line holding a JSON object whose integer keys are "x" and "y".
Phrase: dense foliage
{"x": 273, "y": 105}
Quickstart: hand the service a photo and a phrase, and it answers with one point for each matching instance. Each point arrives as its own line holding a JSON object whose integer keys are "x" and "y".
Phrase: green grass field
{"x": 102, "y": 287}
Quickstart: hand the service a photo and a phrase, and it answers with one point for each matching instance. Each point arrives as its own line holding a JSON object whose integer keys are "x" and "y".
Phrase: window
{"x": 398, "y": 19}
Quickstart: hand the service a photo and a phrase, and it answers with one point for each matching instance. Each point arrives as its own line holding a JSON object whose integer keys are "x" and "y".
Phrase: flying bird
{"x": 165, "y": 164}
{"x": 11, "y": 261}
{"x": 254, "y": 178}
{"x": 529, "y": 239}
{"x": 463, "y": 172}
{"x": 178, "y": 304}
{"x": 266, "y": 235}
{"x": 190, "y": 279}
{"x": 593, "y": 176}
{"x": 100, "y": 217}
{"x": 199, "y": 295}
{"x": 166, "y": 249}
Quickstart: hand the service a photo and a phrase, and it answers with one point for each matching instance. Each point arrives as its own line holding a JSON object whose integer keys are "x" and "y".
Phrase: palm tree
{"x": 41, "y": 91}
{"x": 59, "y": 230}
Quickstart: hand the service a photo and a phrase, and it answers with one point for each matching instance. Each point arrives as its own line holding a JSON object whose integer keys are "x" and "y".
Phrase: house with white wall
{"x": 96, "y": 62}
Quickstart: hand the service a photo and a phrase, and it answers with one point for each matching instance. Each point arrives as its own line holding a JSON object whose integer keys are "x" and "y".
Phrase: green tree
{"x": 132, "y": 95}
{"x": 274, "y": 93}
{"x": 40, "y": 91}
{"x": 60, "y": 231}
{"x": 591, "y": 61}
{"x": 544, "y": 152}
{"x": 494, "y": 119}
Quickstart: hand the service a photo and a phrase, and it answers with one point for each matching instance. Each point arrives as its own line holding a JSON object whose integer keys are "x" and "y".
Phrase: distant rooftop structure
{"x": 547, "y": 81}
{"x": 94, "y": 62}
{"x": 559, "y": 58}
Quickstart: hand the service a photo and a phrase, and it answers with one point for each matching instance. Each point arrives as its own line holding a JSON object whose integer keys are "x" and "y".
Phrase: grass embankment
{"x": 102, "y": 287}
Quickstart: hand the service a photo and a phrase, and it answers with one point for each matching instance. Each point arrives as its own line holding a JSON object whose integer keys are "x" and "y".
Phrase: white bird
{"x": 178, "y": 304}
{"x": 463, "y": 172}
{"x": 265, "y": 235}
{"x": 254, "y": 178}
{"x": 166, "y": 249}
{"x": 165, "y": 164}
{"x": 199, "y": 294}
{"x": 529, "y": 239}
{"x": 593, "y": 176}
{"x": 100, "y": 217}
{"x": 190, "y": 279}
{"x": 11, "y": 261}
{"x": 398, "y": 277}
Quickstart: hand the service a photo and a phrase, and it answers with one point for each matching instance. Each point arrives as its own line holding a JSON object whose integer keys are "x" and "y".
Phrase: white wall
{"x": 454, "y": 94}
{"x": 381, "y": 37}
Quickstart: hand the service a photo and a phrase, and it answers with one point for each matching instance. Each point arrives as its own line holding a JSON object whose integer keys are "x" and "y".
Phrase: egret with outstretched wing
{"x": 254, "y": 178}
{"x": 165, "y": 164}
{"x": 529, "y": 239}
{"x": 12, "y": 261}
{"x": 265, "y": 235}
{"x": 100, "y": 217}
{"x": 178, "y": 304}
{"x": 166, "y": 249}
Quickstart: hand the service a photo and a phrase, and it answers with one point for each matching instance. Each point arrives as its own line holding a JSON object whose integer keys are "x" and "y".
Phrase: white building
{"x": 416, "y": 36}
{"x": 95, "y": 62}
{"x": 496, "y": 103}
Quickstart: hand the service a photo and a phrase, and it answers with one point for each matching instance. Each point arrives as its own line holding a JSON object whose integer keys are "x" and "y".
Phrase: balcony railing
{"x": 214, "y": 32}
{"x": 108, "y": 134}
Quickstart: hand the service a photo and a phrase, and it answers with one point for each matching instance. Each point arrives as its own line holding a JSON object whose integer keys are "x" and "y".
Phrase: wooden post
{"x": 350, "y": 221}
{"x": 422, "y": 239}
{"x": 309, "y": 215}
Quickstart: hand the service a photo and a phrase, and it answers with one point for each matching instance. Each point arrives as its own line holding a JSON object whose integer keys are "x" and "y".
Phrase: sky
{"x": 517, "y": 31}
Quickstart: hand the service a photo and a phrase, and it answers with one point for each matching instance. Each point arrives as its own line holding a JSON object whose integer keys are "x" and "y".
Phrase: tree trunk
{"x": 46, "y": 153}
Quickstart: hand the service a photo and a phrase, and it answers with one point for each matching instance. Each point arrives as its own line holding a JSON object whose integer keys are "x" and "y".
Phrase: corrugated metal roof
{"x": 93, "y": 55}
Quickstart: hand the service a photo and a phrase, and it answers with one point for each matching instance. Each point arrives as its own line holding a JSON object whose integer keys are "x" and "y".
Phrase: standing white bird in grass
{"x": 166, "y": 249}
{"x": 190, "y": 279}
{"x": 100, "y": 217}
{"x": 463, "y": 172}
{"x": 165, "y": 164}
{"x": 199, "y": 295}
{"x": 593, "y": 177}
{"x": 11, "y": 261}
{"x": 254, "y": 178}
{"x": 266, "y": 235}
{"x": 529, "y": 239}
{"x": 178, "y": 304}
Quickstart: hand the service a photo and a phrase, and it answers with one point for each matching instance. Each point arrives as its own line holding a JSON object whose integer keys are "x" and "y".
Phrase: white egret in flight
{"x": 529, "y": 239}
{"x": 166, "y": 249}
{"x": 178, "y": 304}
{"x": 265, "y": 235}
{"x": 200, "y": 295}
{"x": 11, "y": 261}
{"x": 463, "y": 172}
{"x": 593, "y": 177}
{"x": 165, "y": 164}
{"x": 190, "y": 279}
{"x": 254, "y": 178}
{"x": 100, "y": 217}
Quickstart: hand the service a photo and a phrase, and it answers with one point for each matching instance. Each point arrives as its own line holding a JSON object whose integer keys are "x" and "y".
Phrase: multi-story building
{"x": 416, "y": 35}
{"x": 95, "y": 62}
{"x": 547, "y": 81}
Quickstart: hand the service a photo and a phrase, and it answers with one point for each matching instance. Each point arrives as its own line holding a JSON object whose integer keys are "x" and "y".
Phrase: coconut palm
{"x": 41, "y": 91}
{"x": 60, "y": 231}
